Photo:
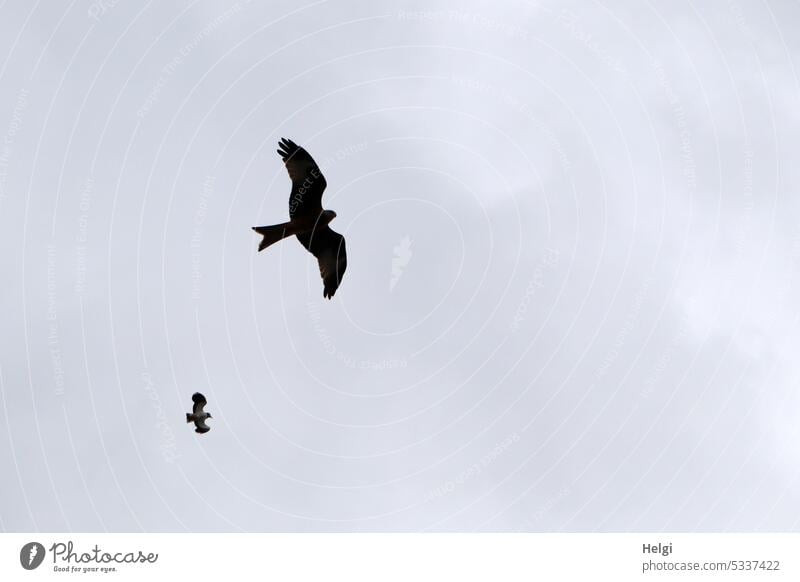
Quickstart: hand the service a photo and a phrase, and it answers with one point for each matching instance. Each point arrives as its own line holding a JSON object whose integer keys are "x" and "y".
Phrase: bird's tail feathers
{"x": 273, "y": 233}
{"x": 188, "y": 417}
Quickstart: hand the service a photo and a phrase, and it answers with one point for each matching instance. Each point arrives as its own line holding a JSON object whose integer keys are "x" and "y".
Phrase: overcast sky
{"x": 571, "y": 302}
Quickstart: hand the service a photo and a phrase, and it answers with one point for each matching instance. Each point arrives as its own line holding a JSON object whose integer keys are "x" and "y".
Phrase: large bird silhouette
{"x": 199, "y": 416}
{"x": 307, "y": 219}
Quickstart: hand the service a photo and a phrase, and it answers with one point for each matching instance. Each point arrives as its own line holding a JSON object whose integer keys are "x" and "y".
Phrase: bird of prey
{"x": 198, "y": 416}
{"x": 307, "y": 220}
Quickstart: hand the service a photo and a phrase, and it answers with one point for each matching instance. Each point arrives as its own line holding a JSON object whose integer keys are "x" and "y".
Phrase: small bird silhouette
{"x": 308, "y": 221}
{"x": 198, "y": 416}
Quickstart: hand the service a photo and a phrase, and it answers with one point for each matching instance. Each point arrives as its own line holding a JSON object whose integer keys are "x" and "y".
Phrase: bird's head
{"x": 328, "y": 215}
{"x": 209, "y": 415}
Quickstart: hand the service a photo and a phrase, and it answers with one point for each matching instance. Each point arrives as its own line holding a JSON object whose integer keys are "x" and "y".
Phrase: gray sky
{"x": 571, "y": 297}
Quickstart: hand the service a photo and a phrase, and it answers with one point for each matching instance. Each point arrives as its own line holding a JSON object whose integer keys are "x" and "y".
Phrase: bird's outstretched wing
{"x": 329, "y": 248}
{"x": 199, "y": 402}
{"x": 308, "y": 183}
{"x": 202, "y": 427}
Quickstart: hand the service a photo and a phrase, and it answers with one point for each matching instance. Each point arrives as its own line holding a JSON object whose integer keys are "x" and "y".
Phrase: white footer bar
{"x": 401, "y": 557}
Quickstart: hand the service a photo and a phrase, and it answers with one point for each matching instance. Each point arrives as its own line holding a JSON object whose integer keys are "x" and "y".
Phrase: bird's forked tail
{"x": 273, "y": 233}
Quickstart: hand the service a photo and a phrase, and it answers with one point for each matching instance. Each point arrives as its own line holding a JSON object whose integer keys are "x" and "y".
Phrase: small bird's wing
{"x": 331, "y": 252}
{"x": 202, "y": 427}
{"x": 308, "y": 183}
{"x": 199, "y": 402}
